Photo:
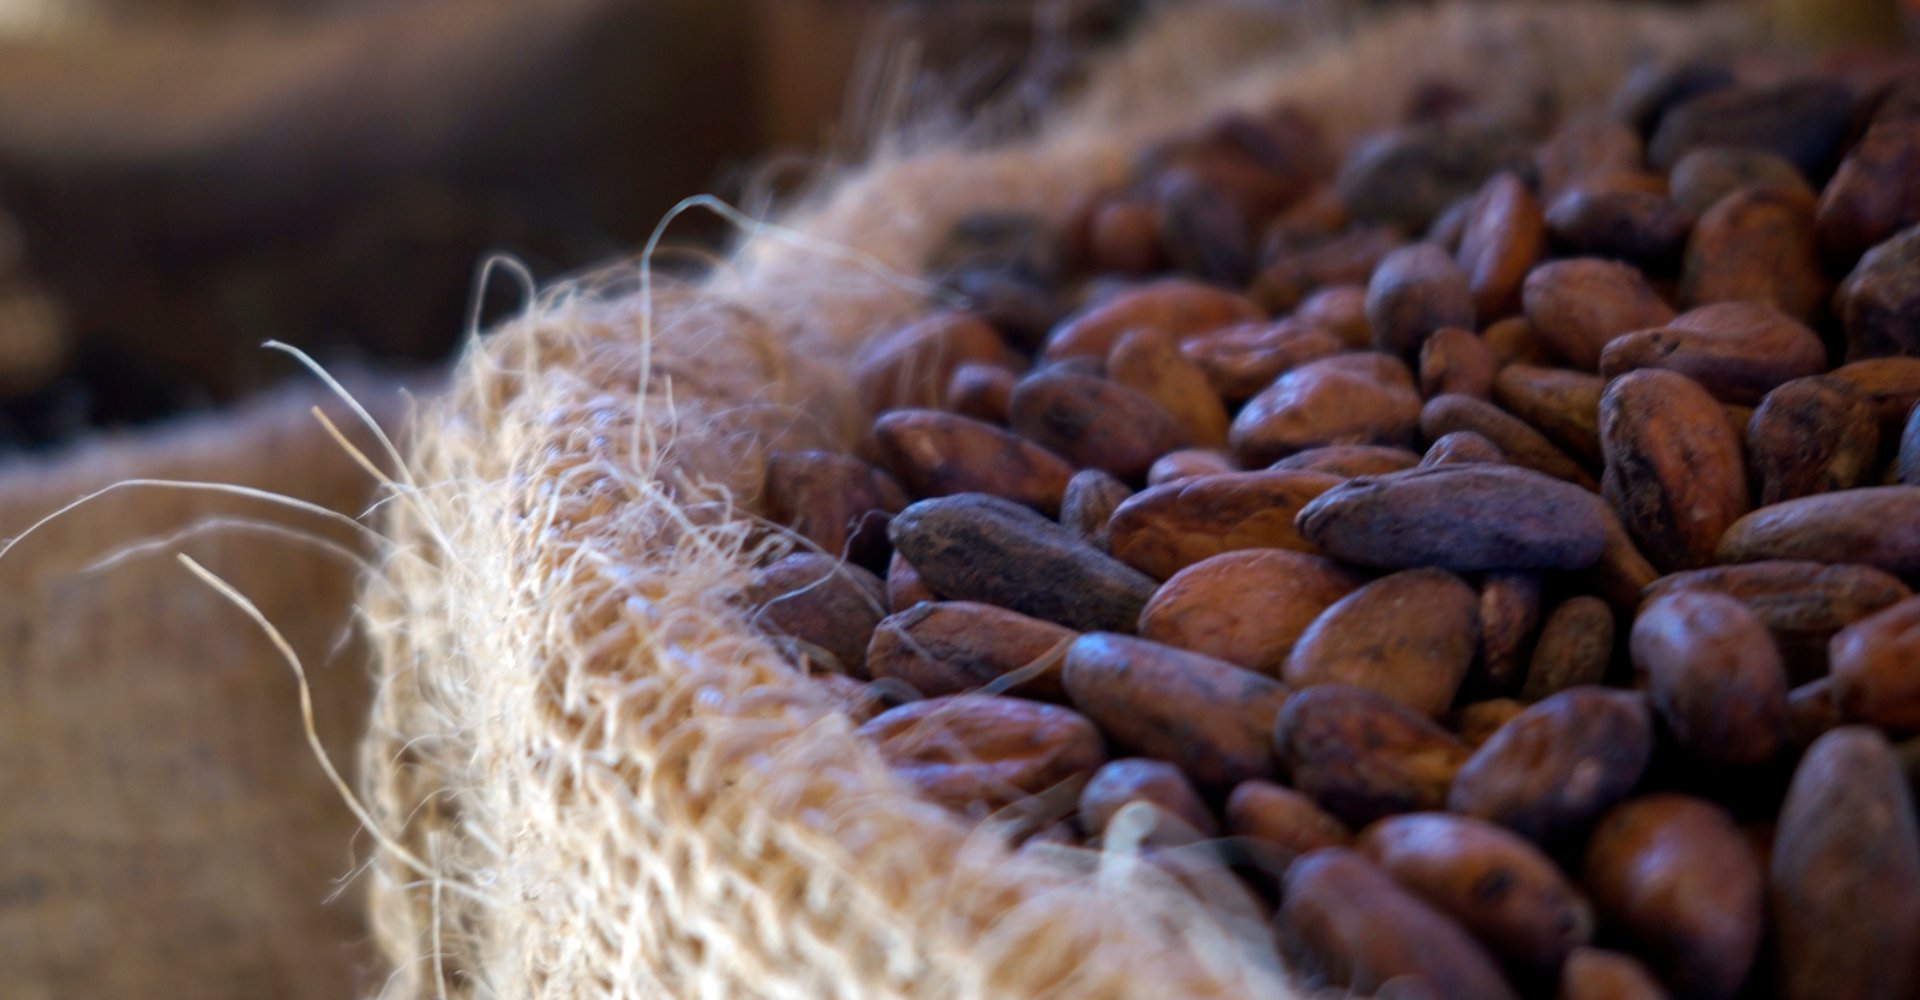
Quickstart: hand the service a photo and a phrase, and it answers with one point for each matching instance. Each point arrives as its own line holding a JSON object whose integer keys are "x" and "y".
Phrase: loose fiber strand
{"x": 292, "y": 658}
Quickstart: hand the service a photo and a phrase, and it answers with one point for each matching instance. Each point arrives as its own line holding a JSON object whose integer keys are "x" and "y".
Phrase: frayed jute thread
{"x": 604, "y": 782}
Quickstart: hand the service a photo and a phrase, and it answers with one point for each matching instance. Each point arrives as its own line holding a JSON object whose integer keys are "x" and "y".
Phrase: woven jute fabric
{"x": 593, "y": 779}
{"x": 164, "y": 831}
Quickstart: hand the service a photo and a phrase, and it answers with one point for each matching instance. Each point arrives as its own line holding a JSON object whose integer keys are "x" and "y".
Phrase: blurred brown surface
{"x": 178, "y": 183}
{"x": 185, "y": 188}
{"x": 164, "y": 829}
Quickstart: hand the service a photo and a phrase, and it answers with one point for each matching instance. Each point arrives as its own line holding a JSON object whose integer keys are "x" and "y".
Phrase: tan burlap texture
{"x": 594, "y": 780}
{"x": 164, "y": 831}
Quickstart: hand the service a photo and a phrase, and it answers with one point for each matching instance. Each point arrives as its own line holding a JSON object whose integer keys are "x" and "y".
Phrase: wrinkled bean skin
{"x": 1675, "y": 473}
{"x": 1811, "y": 435}
{"x": 980, "y": 548}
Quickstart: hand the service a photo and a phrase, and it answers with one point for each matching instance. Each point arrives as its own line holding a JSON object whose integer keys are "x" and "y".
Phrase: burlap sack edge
{"x": 593, "y": 779}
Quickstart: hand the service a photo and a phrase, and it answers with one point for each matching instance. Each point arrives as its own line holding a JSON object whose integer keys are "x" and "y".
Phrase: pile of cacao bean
{"x": 1495, "y": 541}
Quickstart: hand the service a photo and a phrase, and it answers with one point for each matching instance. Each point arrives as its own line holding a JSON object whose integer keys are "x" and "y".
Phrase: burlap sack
{"x": 595, "y": 780}
{"x": 164, "y": 828}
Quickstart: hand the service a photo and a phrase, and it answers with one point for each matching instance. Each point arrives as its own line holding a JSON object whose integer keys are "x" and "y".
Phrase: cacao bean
{"x": 975, "y": 547}
{"x": 1344, "y": 923}
{"x": 1873, "y": 659}
{"x": 1207, "y": 716}
{"x": 1575, "y": 647}
{"x": 1738, "y": 351}
{"x": 1802, "y": 603}
{"x": 1876, "y": 526}
{"x": 1504, "y": 237}
{"x": 1676, "y": 876}
{"x": 1455, "y": 361}
{"x": 1495, "y": 884}
{"x": 1177, "y": 307}
{"x": 1710, "y": 173}
{"x": 1811, "y": 435}
{"x": 1321, "y": 403}
{"x": 1093, "y": 422}
{"x": 1121, "y": 782}
{"x": 1362, "y": 756}
{"x": 975, "y": 753}
{"x": 1521, "y": 444}
{"x": 1150, "y": 363}
{"x": 1350, "y": 460}
{"x": 1248, "y": 608}
{"x": 1576, "y": 306}
{"x": 1552, "y": 771}
{"x": 953, "y": 647}
{"x": 1409, "y": 636}
{"x": 1279, "y": 824}
{"x": 1164, "y": 529}
{"x": 1714, "y": 676}
{"x": 1880, "y": 301}
{"x": 942, "y": 454}
{"x": 1674, "y": 469}
{"x": 1465, "y": 518}
{"x": 1846, "y": 873}
{"x": 828, "y": 607}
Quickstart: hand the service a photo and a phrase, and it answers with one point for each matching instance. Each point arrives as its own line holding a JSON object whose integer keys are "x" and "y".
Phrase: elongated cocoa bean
{"x": 1465, "y": 518}
{"x": 974, "y": 547}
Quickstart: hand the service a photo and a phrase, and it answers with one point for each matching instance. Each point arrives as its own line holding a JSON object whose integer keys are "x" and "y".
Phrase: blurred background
{"x": 181, "y": 180}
